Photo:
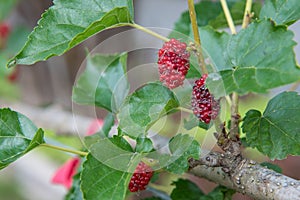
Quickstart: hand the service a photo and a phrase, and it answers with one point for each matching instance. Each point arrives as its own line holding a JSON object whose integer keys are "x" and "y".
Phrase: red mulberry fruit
{"x": 204, "y": 105}
{"x": 173, "y": 63}
{"x": 140, "y": 178}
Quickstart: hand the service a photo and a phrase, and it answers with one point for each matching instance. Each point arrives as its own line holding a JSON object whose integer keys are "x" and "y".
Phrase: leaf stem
{"x": 294, "y": 86}
{"x": 197, "y": 36}
{"x": 81, "y": 153}
{"x": 150, "y": 32}
{"x": 228, "y": 16}
{"x": 185, "y": 110}
{"x": 247, "y": 14}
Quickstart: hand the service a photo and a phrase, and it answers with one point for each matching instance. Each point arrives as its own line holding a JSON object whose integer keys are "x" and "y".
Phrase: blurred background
{"x": 43, "y": 93}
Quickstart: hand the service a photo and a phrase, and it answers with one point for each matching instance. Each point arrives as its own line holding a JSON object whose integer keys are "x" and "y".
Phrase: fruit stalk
{"x": 197, "y": 36}
{"x": 185, "y": 110}
{"x": 150, "y": 32}
{"x": 228, "y": 16}
{"x": 247, "y": 14}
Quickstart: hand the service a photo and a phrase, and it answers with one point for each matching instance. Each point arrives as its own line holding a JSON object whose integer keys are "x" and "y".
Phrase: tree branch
{"x": 244, "y": 176}
{"x": 294, "y": 86}
{"x": 248, "y": 178}
{"x": 235, "y": 117}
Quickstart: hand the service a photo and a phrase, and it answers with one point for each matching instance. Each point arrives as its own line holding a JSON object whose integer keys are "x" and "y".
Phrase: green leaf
{"x": 68, "y": 23}
{"x": 99, "y": 181}
{"x": 206, "y": 11}
{"x": 18, "y": 135}
{"x": 6, "y": 7}
{"x": 75, "y": 192}
{"x": 143, "y": 145}
{"x": 186, "y": 188}
{"x": 261, "y": 57}
{"x": 182, "y": 147}
{"x": 144, "y": 107}
{"x": 108, "y": 123}
{"x": 219, "y": 193}
{"x": 276, "y": 132}
{"x": 281, "y": 11}
{"x": 272, "y": 166}
{"x": 194, "y": 71}
{"x": 104, "y": 132}
{"x": 120, "y": 142}
{"x": 103, "y": 83}
{"x": 115, "y": 152}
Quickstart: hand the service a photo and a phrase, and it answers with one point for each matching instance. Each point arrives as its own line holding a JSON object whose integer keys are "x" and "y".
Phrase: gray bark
{"x": 248, "y": 178}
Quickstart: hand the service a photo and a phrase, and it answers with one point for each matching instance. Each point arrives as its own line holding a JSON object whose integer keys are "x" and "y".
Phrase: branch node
{"x": 211, "y": 160}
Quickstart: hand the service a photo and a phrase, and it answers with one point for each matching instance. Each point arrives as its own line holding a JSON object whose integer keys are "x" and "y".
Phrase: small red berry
{"x": 140, "y": 178}
{"x": 204, "y": 105}
{"x": 4, "y": 29}
{"x": 173, "y": 63}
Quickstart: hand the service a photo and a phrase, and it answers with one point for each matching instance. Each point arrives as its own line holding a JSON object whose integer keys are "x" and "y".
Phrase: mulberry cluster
{"x": 140, "y": 178}
{"x": 173, "y": 63}
{"x": 204, "y": 105}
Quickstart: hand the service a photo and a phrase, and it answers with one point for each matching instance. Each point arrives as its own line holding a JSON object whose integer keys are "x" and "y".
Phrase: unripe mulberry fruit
{"x": 140, "y": 178}
{"x": 204, "y": 105}
{"x": 173, "y": 63}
